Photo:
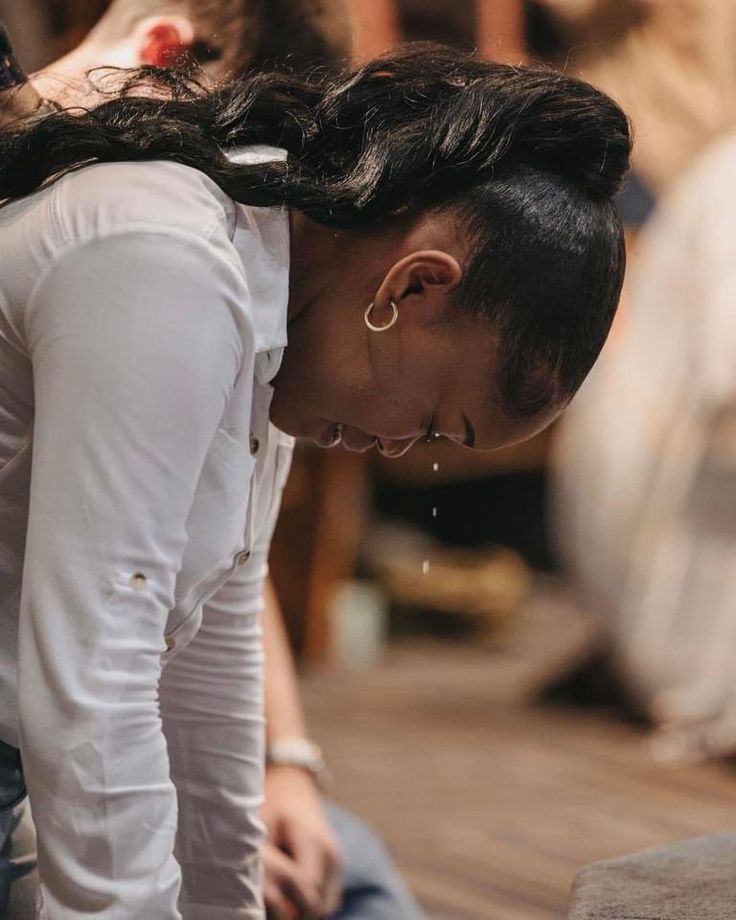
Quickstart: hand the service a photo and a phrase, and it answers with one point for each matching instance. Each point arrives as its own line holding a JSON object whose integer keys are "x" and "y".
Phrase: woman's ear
{"x": 163, "y": 41}
{"x": 426, "y": 276}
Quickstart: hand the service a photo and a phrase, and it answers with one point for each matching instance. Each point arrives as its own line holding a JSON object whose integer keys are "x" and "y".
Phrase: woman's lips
{"x": 356, "y": 440}
{"x": 393, "y": 451}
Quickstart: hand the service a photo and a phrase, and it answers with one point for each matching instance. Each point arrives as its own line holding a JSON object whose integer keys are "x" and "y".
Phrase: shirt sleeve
{"x": 135, "y": 346}
{"x": 212, "y": 707}
{"x": 213, "y": 711}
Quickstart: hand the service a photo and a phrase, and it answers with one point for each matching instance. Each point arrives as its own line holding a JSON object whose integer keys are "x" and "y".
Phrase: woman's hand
{"x": 302, "y": 859}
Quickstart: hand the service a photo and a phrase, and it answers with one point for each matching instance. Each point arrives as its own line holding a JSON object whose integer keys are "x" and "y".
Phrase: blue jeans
{"x": 373, "y": 889}
{"x": 14, "y": 862}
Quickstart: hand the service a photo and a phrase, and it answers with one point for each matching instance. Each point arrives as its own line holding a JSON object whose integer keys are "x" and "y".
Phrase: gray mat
{"x": 693, "y": 880}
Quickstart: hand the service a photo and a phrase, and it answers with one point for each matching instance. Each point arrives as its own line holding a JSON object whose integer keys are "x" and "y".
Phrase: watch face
{"x": 298, "y": 752}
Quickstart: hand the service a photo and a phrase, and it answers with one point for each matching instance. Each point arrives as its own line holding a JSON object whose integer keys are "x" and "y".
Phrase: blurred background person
{"x": 646, "y": 503}
{"x": 645, "y": 491}
{"x": 223, "y": 39}
{"x": 669, "y": 63}
{"x": 643, "y": 502}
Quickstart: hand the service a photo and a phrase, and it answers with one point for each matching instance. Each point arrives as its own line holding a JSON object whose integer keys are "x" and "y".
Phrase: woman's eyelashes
{"x": 430, "y": 433}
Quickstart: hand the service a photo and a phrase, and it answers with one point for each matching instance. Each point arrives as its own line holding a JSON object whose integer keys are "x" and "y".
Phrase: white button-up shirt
{"x": 142, "y": 316}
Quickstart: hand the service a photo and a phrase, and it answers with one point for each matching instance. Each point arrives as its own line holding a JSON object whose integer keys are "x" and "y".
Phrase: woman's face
{"x": 431, "y": 374}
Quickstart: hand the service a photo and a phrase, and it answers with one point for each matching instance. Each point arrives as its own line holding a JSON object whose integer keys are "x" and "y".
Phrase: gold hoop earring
{"x": 389, "y": 324}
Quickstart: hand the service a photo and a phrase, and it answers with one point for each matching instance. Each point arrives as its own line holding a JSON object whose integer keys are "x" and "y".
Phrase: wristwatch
{"x": 298, "y": 752}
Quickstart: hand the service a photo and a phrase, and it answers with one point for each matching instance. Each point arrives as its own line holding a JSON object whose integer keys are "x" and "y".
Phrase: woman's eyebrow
{"x": 469, "y": 433}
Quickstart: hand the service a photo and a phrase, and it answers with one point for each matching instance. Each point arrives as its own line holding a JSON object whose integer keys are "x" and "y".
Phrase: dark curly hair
{"x": 529, "y": 160}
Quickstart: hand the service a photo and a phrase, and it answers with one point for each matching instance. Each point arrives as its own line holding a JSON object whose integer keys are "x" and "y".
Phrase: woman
{"x": 429, "y": 247}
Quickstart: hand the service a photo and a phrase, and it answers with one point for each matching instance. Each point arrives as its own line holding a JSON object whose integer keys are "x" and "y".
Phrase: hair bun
{"x": 561, "y": 125}
{"x": 472, "y": 117}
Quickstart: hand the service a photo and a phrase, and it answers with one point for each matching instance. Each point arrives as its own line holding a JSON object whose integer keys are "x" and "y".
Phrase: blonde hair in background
{"x": 671, "y": 64}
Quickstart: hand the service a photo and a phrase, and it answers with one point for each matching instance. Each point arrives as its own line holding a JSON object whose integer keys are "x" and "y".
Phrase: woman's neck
{"x": 315, "y": 251}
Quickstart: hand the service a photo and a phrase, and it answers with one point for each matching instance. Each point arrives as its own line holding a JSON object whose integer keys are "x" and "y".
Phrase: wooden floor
{"x": 489, "y": 802}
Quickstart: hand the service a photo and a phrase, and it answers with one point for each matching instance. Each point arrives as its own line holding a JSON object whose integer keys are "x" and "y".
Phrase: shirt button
{"x": 170, "y": 642}
{"x": 243, "y": 557}
{"x": 254, "y": 444}
{"x": 138, "y": 581}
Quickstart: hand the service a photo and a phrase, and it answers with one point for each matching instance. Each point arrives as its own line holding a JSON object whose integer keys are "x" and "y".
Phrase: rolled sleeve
{"x": 135, "y": 343}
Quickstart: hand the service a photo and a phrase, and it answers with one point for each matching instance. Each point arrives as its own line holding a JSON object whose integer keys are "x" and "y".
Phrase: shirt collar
{"x": 261, "y": 238}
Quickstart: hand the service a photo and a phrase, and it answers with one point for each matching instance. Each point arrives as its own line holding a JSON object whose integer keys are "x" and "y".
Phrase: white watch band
{"x": 297, "y": 752}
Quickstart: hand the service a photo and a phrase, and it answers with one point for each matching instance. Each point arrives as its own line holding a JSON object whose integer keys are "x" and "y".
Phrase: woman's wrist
{"x": 297, "y": 753}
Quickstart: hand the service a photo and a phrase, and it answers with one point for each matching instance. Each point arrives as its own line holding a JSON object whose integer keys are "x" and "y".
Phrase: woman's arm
{"x": 212, "y": 709}
{"x": 135, "y": 348}
{"x": 213, "y": 713}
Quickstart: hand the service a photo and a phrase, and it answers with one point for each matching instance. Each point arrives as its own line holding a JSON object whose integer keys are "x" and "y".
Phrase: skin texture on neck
{"x": 314, "y": 249}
